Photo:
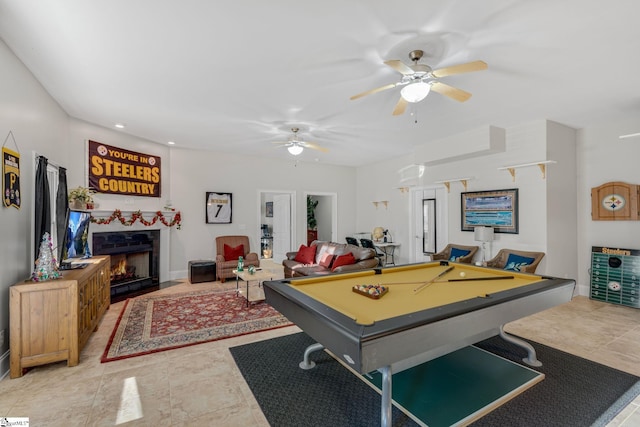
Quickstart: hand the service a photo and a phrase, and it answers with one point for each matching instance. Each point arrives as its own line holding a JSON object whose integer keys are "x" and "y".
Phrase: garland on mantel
{"x": 137, "y": 216}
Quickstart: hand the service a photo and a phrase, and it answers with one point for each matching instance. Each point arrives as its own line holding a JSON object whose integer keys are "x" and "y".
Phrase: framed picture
{"x": 497, "y": 209}
{"x": 218, "y": 208}
{"x": 268, "y": 210}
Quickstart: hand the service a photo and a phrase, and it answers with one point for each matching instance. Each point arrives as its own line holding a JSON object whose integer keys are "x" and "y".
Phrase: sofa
{"x": 328, "y": 257}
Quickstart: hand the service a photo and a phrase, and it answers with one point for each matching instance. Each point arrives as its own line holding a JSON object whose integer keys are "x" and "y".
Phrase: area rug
{"x": 575, "y": 391}
{"x": 158, "y": 323}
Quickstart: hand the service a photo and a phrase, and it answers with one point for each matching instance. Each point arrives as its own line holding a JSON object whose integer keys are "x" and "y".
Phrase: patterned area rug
{"x": 152, "y": 324}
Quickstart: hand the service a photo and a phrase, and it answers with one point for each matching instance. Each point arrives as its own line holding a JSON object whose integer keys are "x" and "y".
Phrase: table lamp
{"x": 484, "y": 235}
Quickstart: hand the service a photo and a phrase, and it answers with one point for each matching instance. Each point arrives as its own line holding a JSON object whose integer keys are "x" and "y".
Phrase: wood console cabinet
{"x": 52, "y": 321}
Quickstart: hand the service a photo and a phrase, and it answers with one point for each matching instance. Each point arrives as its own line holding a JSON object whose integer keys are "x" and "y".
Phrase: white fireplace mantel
{"x": 116, "y": 225}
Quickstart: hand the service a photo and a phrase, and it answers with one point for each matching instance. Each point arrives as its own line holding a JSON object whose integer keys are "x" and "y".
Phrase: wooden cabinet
{"x": 52, "y": 321}
{"x": 615, "y": 201}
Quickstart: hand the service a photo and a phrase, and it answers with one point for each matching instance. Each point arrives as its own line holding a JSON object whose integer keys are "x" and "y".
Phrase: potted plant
{"x": 312, "y": 223}
{"x": 80, "y": 198}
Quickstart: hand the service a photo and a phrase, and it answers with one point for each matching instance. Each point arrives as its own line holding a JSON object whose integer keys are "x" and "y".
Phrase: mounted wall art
{"x": 497, "y": 209}
{"x": 218, "y": 208}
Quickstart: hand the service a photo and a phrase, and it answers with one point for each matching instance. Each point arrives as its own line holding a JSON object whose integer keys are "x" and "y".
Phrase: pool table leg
{"x": 306, "y": 363}
{"x": 531, "y": 358}
{"x": 385, "y": 408}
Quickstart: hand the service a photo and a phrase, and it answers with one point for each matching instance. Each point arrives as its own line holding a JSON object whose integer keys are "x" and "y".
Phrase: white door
{"x": 429, "y": 222}
{"x": 281, "y": 226}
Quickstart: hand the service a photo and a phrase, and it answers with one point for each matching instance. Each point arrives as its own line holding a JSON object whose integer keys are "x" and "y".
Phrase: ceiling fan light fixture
{"x": 415, "y": 92}
{"x": 295, "y": 149}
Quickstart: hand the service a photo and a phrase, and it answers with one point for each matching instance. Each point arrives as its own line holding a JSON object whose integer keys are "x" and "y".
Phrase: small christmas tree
{"x": 46, "y": 265}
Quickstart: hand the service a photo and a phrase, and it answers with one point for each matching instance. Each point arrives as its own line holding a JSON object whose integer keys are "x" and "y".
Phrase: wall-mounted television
{"x": 75, "y": 242}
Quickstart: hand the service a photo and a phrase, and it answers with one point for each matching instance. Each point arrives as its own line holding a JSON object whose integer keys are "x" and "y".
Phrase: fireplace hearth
{"x": 134, "y": 261}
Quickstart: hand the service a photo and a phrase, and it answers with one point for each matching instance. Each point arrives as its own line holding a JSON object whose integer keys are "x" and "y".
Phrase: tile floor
{"x": 200, "y": 385}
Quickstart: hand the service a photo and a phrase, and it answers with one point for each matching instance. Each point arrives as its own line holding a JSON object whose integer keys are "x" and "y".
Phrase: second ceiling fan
{"x": 295, "y": 145}
{"x": 419, "y": 79}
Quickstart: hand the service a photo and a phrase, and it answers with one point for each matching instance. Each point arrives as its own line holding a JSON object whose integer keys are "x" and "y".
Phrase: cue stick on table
{"x": 419, "y": 288}
{"x": 470, "y": 279}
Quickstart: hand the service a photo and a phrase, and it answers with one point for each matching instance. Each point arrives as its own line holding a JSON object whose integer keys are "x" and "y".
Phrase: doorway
{"x": 325, "y": 215}
{"x": 429, "y": 222}
{"x": 277, "y": 223}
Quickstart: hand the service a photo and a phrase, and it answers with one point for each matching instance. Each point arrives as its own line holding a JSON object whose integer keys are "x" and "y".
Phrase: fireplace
{"x": 135, "y": 261}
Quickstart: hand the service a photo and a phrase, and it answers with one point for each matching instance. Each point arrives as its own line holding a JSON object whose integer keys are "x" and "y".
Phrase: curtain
{"x": 62, "y": 208}
{"x": 42, "y": 205}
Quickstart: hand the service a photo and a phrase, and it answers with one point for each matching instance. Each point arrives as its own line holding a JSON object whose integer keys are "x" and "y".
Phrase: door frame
{"x": 293, "y": 224}
{"x": 334, "y": 210}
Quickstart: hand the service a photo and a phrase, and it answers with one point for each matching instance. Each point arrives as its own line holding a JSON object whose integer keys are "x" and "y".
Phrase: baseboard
{"x": 4, "y": 365}
{"x": 180, "y": 274}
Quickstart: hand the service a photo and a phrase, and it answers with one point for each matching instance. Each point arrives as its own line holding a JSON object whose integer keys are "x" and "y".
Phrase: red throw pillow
{"x": 232, "y": 254}
{"x": 325, "y": 260}
{"x": 306, "y": 254}
{"x": 346, "y": 259}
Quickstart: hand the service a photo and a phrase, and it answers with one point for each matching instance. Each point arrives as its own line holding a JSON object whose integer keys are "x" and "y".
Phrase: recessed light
{"x": 171, "y": 143}
{"x": 119, "y": 125}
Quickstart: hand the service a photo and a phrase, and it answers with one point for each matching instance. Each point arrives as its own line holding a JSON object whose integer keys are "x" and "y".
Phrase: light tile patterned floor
{"x": 201, "y": 386}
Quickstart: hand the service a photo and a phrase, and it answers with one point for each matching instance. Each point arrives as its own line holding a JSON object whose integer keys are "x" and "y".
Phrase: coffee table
{"x": 261, "y": 274}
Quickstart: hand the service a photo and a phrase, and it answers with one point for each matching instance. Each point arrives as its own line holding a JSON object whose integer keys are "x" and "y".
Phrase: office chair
{"x": 352, "y": 241}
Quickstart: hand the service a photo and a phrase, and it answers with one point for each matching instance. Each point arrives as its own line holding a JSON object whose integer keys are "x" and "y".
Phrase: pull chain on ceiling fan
{"x": 296, "y": 145}
{"x": 419, "y": 79}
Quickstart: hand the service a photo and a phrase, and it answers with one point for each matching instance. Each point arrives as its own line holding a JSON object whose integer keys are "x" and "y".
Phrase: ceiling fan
{"x": 295, "y": 145}
{"x": 419, "y": 79}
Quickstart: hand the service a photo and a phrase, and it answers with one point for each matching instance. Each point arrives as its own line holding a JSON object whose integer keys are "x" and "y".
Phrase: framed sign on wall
{"x": 497, "y": 209}
{"x": 218, "y": 208}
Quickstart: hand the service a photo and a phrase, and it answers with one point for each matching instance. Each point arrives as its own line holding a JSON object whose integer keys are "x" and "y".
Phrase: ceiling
{"x": 237, "y": 76}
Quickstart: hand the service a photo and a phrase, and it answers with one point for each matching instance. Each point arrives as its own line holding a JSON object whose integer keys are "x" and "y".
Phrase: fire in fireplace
{"x": 134, "y": 261}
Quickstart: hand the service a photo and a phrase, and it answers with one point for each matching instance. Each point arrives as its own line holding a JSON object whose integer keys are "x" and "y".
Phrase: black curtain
{"x": 42, "y": 205}
{"x": 62, "y": 209}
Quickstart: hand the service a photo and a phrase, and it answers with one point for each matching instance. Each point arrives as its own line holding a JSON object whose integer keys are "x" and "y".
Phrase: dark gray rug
{"x": 575, "y": 392}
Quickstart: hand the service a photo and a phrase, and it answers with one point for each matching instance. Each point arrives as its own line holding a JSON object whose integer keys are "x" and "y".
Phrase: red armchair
{"x": 224, "y": 267}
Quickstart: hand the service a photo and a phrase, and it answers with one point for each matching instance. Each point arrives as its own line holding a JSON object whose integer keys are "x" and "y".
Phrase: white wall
{"x": 38, "y": 124}
{"x": 603, "y": 157}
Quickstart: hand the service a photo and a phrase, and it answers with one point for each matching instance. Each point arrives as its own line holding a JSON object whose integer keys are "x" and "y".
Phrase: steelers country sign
{"x": 115, "y": 170}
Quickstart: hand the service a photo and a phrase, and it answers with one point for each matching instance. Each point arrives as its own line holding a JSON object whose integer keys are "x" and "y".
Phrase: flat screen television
{"x": 75, "y": 242}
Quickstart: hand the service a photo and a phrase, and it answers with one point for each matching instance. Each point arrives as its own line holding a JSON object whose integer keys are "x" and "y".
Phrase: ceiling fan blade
{"x": 459, "y": 69}
{"x": 399, "y": 66}
{"x": 314, "y": 146}
{"x": 372, "y": 91}
{"x": 401, "y": 106}
{"x": 450, "y": 91}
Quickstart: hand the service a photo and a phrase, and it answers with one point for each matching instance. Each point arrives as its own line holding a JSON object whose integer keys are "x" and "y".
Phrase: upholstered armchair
{"x": 228, "y": 248}
{"x": 510, "y": 259}
{"x": 459, "y": 253}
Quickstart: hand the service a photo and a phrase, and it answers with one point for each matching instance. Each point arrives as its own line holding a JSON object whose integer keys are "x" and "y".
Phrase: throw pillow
{"x": 325, "y": 260}
{"x": 457, "y": 253}
{"x": 516, "y": 262}
{"x": 232, "y": 254}
{"x": 306, "y": 254}
{"x": 346, "y": 259}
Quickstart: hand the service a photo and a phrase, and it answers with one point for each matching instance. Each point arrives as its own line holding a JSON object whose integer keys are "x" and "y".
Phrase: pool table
{"x": 429, "y": 309}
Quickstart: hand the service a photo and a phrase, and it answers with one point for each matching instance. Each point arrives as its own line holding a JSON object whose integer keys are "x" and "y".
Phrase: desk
{"x": 403, "y": 329}
{"x": 388, "y": 248}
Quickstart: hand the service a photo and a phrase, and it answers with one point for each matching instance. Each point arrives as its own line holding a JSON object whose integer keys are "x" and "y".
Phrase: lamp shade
{"x": 377, "y": 233}
{"x": 415, "y": 92}
{"x": 483, "y": 234}
{"x": 295, "y": 149}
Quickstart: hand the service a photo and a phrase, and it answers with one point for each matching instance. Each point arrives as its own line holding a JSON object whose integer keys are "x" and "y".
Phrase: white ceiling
{"x": 236, "y": 75}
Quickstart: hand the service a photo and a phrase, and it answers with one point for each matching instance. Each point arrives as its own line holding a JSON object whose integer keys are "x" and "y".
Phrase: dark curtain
{"x": 62, "y": 209}
{"x": 42, "y": 205}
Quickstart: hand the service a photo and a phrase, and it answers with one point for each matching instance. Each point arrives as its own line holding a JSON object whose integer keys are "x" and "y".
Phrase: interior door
{"x": 281, "y": 226}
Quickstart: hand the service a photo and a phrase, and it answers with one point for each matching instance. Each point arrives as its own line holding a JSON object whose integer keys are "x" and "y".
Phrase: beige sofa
{"x": 365, "y": 258}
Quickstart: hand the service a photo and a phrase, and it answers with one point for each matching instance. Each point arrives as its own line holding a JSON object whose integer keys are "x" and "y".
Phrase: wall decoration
{"x": 615, "y": 201}
{"x": 218, "y": 208}
{"x": 497, "y": 209}
{"x": 115, "y": 170}
{"x": 268, "y": 210}
{"x": 11, "y": 174}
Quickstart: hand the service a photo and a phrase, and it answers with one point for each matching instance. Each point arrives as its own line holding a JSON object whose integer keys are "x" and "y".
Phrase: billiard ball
{"x": 462, "y": 274}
